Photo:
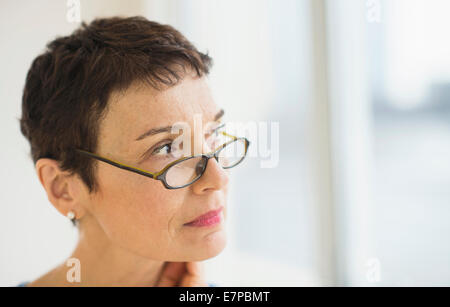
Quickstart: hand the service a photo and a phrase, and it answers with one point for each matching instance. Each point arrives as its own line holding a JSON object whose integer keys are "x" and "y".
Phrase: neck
{"x": 103, "y": 263}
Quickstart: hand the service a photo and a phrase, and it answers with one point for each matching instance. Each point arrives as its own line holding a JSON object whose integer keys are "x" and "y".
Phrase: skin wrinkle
{"x": 172, "y": 232}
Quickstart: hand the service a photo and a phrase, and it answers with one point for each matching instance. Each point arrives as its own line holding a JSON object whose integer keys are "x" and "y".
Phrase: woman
{"x": 101, "y": 109}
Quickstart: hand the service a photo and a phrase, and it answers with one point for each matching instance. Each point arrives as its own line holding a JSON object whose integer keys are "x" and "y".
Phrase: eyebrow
{"x": 154, "y": 131}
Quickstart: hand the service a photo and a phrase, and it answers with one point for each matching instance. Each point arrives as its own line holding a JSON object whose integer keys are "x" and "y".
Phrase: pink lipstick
{"x": 208, "y": 219}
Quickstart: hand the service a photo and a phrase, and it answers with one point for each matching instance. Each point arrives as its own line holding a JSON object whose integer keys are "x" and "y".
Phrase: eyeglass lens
{"x": 189, "y": 170}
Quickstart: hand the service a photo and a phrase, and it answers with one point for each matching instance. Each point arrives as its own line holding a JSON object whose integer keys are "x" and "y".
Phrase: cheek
{"x": 143, "y": 217}
{"x": 139, "y": 214}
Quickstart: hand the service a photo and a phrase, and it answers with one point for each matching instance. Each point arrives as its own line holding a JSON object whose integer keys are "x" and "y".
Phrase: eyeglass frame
{"x": 161, "y": 175}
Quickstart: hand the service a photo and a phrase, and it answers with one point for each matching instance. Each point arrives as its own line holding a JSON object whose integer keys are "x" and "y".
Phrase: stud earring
{"x": 71, "y": 215}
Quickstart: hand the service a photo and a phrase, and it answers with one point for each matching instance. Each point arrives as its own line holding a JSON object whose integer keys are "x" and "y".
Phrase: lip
{"x": 208, "y": 219}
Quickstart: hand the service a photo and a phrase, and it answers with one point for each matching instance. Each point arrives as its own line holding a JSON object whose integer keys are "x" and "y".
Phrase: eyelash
{"x": 159, "y": 147}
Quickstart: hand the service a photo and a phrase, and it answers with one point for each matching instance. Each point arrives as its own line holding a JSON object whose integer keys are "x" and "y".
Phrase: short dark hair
{"x": 68, "y": 86}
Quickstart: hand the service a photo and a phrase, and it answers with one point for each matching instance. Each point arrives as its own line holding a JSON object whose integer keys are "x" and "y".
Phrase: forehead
{"x": 141, "y": 107}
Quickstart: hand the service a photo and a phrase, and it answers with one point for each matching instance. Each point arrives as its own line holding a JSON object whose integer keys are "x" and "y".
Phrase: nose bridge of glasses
{"x": 209, "y": 153}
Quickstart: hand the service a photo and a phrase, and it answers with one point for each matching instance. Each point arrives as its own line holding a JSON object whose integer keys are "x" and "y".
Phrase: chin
{"x": 211, "y": 246}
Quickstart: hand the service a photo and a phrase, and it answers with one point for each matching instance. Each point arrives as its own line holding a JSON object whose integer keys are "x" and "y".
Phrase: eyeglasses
{"x": 187, "y": 170}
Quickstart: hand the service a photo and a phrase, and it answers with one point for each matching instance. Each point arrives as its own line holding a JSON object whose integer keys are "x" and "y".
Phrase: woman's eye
{"x": 216, "y": 132}
{"x": 215, "y": 140}
{"x": 163, "y": 150}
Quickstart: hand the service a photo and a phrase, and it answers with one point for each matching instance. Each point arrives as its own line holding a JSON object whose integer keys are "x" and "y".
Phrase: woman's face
{"x": 138, "y": 213}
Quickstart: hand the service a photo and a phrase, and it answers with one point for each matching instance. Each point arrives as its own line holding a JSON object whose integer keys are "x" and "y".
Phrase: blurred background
{"x": 360, "y": 92}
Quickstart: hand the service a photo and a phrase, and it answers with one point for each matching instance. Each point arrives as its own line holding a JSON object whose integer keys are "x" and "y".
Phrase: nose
{"x": 214, "y": 178}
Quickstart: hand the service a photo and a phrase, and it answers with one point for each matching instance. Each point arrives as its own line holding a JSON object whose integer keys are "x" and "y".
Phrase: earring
{"x": 71, "y": 215}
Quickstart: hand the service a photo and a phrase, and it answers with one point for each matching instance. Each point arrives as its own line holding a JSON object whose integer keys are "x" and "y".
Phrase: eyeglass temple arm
{"x": 118, "y": 164}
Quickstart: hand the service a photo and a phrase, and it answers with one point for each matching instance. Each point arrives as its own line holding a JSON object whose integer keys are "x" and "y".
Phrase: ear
{"x": 63, "y": 189}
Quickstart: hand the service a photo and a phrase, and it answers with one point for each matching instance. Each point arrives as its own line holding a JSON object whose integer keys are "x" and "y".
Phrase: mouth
{"x": 210, "y": 218}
